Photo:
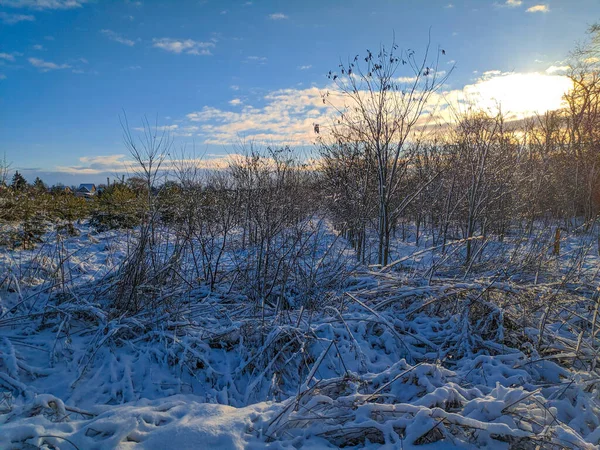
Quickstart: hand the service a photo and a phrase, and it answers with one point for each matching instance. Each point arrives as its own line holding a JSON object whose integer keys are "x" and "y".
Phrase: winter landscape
{"x": 372, "y": 248}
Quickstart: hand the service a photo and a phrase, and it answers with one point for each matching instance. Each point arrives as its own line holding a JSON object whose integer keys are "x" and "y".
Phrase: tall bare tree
{"x": 381, "y": 111}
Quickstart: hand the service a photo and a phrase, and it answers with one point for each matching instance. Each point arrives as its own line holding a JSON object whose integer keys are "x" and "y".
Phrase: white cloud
{"x": 449, "y": 6}
{"x": 257, "y": 59}
{"x": 277, "y": 16}
{"x": 234, "y": 87}
{"x": 111, "y": 164}
{"x": 489, "y": 74}
{"x": 187, "y": 46}
{"x": 160, "y": 128}
{"x": 538, "y": 8}
{"x": 97, "y": 164}
{"x": 43, "y": 4}
{"x": 509, "y": 4}
{"x": 235, "y": 102}
{"x": 287, "y": 116}
{"x": 38, "y": 47}
{"x": 11, "y": 19}
{"x": 7, "y": 57}
{"x": 47, "y": 65}
{"x": 557, "y": 69}
{"x": 173, "y": 130}
{"x": 108, "y": 160}
{"x": 305, "y": 67}
{"x": 408, "y": 80}
{"x": 113, "y": 36}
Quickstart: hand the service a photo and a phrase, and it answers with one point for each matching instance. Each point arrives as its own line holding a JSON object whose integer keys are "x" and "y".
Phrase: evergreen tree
{"x": 18, "y": 182}
{"x": 39, "y": 185}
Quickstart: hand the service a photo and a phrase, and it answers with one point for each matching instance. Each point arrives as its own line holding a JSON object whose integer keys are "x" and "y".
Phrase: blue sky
{"x": 215, "y": 72}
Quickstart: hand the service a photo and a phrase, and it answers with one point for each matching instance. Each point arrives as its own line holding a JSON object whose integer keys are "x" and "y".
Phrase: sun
{"x": 519, "y": 94}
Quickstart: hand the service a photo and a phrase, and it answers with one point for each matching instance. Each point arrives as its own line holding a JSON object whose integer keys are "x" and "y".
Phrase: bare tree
{"x": 149, "y": 263}
{"x": 583, "y": 106}
{"x": 381, "y": 111}
{"x": 4, "y": 170}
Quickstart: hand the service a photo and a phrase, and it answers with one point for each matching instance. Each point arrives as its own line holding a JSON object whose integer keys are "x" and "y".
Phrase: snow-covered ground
{"x": 424, "y": 354}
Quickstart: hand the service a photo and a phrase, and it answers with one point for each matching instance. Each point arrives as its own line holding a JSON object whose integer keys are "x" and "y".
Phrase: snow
{"x": 181, "y": 422}
{"x": 393, "y": 358}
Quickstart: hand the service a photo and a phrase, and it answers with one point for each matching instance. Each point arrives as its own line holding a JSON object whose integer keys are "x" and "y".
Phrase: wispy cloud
{"x": 513, "y": 3}
{"x": 7, "y": 57}
{"x": 449, "y": 6}
{"x": 38, "y": 47}
{"x": 538, "y": 8}
{"x": 43, "y": 4}
{"x": 113, "y": 36}
{"x": 491, "y": 73}
{"x": 557, "y": 69}
{"x": 288, "y": 116}
{"x": 304, "y": 67}
{"x": 159, "y": 128}
{"x": 91, "y": 165}
{"x": 45, "y": 66}
{"x": 173, "y": 130}
{"x": 234, "y": 87}
{"x": 256, "y": 59}
{"x": 11, "y": 19}
{"x": 2, "y": 76}
{"x": 113, "y": 164}
{"x": 235, "y": 102}
{"x": 187, "y": 46}
{"x": 278, "y": 16}
{"x": 410, "y": 80}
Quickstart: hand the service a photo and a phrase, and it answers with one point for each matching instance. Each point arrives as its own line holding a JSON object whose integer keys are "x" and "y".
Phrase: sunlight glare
{"x": 519, "y": 94}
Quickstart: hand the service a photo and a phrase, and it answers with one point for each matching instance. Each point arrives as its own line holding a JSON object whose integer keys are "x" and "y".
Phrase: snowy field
{"x": 424, "y": 353}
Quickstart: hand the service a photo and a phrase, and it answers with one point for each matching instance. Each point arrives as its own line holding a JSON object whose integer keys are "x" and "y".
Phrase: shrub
{"x": 117, "y": 207}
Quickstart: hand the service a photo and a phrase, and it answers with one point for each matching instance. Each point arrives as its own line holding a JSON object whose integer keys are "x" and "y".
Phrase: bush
{"x": 104, "y": 220}
{"x": 25, "y": 235}
{"x": 68, "y": 207}
{"x": 117, "y": 207}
